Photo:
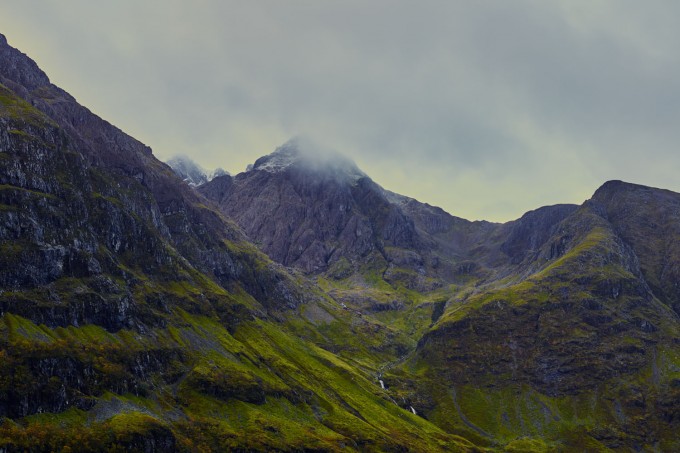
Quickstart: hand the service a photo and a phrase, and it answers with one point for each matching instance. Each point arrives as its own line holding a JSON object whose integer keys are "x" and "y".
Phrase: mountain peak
{"x": 302, "y": 152}
{"x": 17, "y": 67}
{"x": 191, "y": 172}
{"x": 614, "y": 187}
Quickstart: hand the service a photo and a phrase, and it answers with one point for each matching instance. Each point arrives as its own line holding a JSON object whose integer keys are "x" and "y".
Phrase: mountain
{"x": 299, "y": 306}
{"x": 192, "y": 173}
{"x": 584, "y": 341}
{"x": 316, "y": 211}
{"x": 310, "y": 210}
{"x": 134, "y": 316}
{"x": 566, "y": 305}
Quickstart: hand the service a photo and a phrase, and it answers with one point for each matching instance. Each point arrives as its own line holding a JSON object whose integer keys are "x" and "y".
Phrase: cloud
{"x": 486, "y": 108}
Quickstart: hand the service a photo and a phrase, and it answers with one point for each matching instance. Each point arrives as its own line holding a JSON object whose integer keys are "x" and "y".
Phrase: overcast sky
{"x": 485, "y": 108}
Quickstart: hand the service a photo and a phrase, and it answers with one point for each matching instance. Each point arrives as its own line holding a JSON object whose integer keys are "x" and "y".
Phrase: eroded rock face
{"x": 648, "y": 220}
{"x": 81, "y": 199}
{"x": 309, "y": 211}
{"x": 529, "y": 233}
{"x": 20, "y": 69}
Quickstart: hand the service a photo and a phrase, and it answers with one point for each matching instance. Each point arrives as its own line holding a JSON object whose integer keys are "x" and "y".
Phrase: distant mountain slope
{"x": 191, "y": 172}
{"x": 567, "y": 301}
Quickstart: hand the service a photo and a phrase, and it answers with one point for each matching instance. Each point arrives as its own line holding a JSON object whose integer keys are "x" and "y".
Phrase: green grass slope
{"x": 194, "y": 386}
{"x": 581, "y": 354}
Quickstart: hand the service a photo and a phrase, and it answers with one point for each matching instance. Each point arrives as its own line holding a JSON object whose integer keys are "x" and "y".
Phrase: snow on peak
{"x": 303, "y": 152}
{"x": 219, "y": 171}
{"x": 192, "y": 173}
{"x": 279, "y": 160}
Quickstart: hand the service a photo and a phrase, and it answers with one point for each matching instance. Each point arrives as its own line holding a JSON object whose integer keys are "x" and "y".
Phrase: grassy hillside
{"x": 581, "y": 354}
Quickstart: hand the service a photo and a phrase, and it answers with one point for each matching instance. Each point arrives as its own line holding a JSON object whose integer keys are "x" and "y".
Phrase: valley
{"x": 300, "y": 306}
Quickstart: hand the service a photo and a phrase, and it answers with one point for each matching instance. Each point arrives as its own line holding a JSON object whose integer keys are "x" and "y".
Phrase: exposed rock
{"x": 309, "y": 210}
{"x": 191, "y": 172}
{"x": 94, "y": 200}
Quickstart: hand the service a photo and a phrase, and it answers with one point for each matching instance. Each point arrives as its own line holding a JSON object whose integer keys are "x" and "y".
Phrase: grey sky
{"x": 485, "y": 108}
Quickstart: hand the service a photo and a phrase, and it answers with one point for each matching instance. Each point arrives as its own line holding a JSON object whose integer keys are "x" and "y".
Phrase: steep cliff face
{"x": 111, "y": 200}
{"x": 527, "y": 235}
{"x": 95, "y": 232}
{"x": 648, "y": 220}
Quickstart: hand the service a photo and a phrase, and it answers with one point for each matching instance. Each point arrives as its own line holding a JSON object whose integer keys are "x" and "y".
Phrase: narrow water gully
{"x": 384, "y": 368}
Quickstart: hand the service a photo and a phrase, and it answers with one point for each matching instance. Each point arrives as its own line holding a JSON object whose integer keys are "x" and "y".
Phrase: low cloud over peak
{"x": 437, "y": 100}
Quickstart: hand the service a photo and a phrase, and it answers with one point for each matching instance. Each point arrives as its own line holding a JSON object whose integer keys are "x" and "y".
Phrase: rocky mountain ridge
{"x": 318, "y": 212}
{"x": 192, "y": 173}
